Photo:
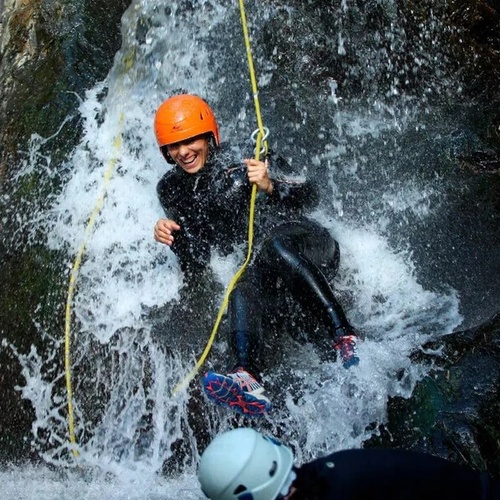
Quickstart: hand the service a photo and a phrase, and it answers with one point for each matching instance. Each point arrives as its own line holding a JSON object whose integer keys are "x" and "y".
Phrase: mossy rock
{"x": 453, "y": 412}
{"x": 52, "y": 50}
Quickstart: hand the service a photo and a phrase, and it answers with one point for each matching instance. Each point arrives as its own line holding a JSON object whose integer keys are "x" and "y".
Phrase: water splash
{"x": 129, "y": 425}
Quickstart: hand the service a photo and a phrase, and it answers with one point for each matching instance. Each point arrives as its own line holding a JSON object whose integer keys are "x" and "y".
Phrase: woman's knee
{"x": 278, "y": 252}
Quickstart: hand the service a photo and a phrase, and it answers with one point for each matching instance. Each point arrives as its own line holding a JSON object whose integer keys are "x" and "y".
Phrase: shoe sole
{"x": 224, "y": 391}
{"x": 354, "y": 361}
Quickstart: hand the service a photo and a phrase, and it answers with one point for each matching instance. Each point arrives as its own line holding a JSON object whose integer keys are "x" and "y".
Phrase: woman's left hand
{"x": 258, "y": 174}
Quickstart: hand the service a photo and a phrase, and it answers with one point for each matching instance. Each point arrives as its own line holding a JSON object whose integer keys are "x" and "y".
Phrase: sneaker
{"x": 238, "y": 391}
{"x": 347, "y": 348}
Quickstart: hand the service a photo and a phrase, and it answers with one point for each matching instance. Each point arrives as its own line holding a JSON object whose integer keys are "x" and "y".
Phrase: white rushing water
{"x": 128, "y": 422}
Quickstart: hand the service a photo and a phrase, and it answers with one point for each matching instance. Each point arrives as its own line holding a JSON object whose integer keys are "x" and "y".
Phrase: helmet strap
{"x": 285, "y": 490}
{"x": 166, "y": 155}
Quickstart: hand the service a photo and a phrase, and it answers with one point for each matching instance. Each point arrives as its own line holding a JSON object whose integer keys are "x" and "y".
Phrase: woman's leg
{"x": 297, "y": 252}
{"x": 244, "y": 310}
{"x": 240, "y": 389}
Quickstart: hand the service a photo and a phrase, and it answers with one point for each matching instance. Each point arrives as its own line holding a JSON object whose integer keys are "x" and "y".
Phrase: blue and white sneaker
{"x": 238, "y": 391}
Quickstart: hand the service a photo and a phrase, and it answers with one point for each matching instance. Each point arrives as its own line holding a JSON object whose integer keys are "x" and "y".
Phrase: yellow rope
{"x": 71, "y": 291}
{"x": 253, "y": 80}
{"x": 184, "y": 383}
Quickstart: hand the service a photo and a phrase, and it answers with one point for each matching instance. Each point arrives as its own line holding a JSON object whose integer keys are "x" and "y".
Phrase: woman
{"x": 206, "y": 199}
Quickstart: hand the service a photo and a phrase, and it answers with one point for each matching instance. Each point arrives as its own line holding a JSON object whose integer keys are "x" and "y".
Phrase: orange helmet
{"x": 184, "y": 116}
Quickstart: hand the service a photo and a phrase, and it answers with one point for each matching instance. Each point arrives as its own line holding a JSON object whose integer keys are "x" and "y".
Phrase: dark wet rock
{"x": 24, "y": 286}
{"x": 408, "y": 48}
{"x": 51, "y": 52}
{"x": 481, "y": 162}
{"x": 475, "y": 51}
{"x": 454, "y": 412}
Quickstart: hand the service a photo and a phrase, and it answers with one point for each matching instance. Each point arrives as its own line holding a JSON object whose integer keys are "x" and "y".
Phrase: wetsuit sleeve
{"x": 294, "y": 194}
{"x": 385, "y": 474}
{"x": 192, "y": 252}
{"x": 289, "y": 193}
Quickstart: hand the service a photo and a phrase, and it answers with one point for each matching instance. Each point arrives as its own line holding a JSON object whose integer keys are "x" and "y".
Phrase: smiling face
{"x": 190, "y": 154}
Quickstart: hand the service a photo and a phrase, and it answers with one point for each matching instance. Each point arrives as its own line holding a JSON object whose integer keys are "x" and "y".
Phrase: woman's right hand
{"x": 164, "y": 229}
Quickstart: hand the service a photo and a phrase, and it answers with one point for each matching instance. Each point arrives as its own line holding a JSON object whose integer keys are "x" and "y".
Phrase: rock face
{"x": 50, "y": 50}
{"x": 476, "y": 47}
{"x": 454, "y": 412}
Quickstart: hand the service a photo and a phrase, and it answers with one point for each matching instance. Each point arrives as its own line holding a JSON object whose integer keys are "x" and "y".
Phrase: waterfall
{"x": 365, "y": 137}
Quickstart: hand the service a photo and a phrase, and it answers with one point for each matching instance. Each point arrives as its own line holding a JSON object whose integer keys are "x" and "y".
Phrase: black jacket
{"x": 212, "y": 207}
{"x": 383, "y": 474}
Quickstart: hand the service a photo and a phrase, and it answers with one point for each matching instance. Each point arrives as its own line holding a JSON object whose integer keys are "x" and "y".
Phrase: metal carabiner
{"x": 253, "y": 137}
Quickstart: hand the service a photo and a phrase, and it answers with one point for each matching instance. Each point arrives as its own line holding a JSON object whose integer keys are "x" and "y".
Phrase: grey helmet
{"x": 243, "y": 464}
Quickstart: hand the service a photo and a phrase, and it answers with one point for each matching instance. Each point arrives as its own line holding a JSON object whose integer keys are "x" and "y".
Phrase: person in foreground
{"x": 206, "y": 198}
{"x": 243, "y": 464}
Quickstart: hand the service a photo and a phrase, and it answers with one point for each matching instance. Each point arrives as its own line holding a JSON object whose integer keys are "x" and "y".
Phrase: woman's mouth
{"x": 189, "y": 162}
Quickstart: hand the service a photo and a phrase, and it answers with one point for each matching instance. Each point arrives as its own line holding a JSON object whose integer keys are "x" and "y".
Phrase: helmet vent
{"x": 239, "y": 489}
{"x": 201, "y": 116}
{"x": 273, "y": 469}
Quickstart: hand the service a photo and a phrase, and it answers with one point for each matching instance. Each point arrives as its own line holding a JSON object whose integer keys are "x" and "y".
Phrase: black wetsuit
{"x": 385, "y": 474}
{"x": 212, "y": 208}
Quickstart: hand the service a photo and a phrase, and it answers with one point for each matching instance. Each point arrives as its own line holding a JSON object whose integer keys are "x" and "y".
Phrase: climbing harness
{"x": 71, "y": 289}
{"x": 259, "y": 137}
